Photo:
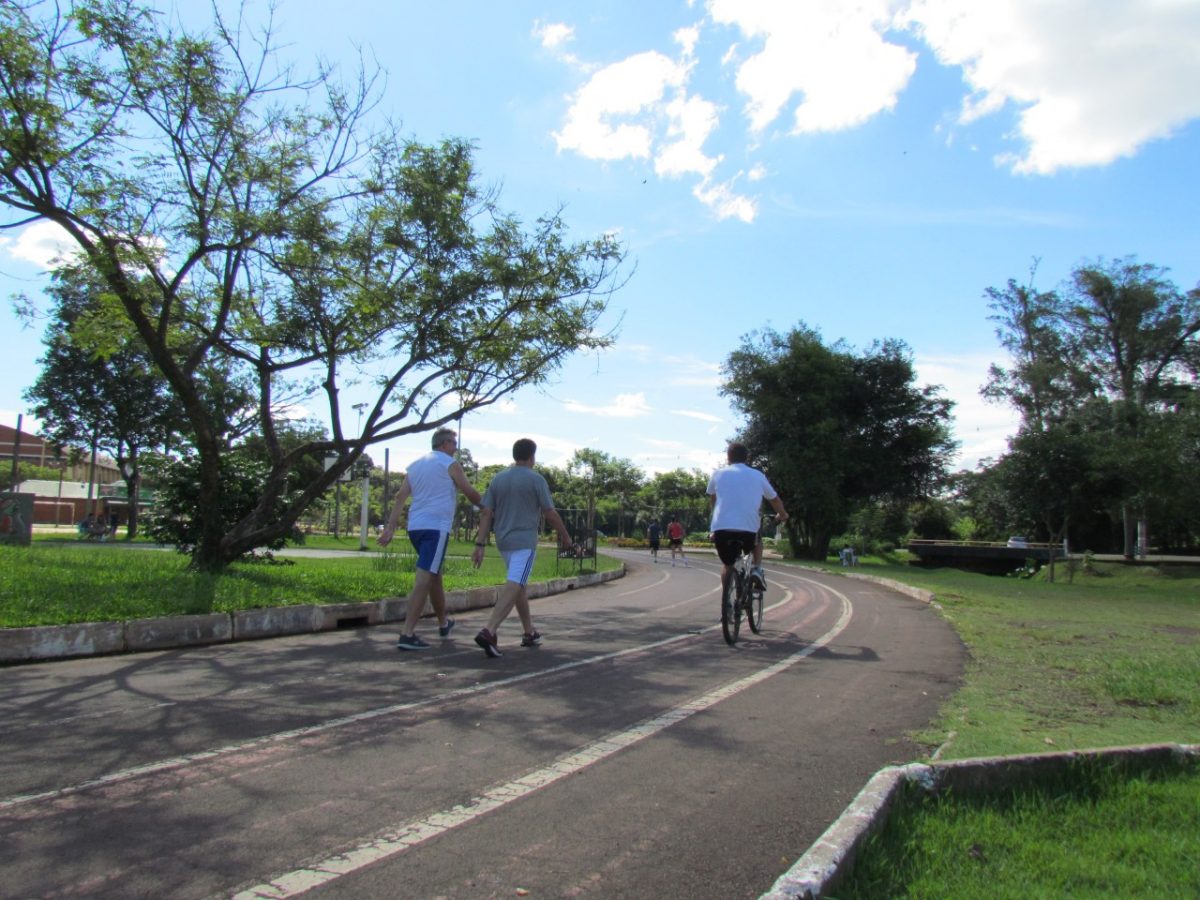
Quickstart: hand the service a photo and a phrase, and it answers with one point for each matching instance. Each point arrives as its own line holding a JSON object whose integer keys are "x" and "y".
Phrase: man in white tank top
{"x": 433, "y": 482}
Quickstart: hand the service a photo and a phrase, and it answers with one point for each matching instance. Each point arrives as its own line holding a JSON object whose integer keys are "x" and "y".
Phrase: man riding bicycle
{"x": 735, "y": 494}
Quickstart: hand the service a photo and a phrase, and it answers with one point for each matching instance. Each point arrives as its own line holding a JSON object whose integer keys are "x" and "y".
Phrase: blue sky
{"x": 765, "y": 162}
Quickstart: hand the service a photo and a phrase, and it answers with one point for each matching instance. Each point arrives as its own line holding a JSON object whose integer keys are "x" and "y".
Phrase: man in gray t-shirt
{"x": 513, "y": 506}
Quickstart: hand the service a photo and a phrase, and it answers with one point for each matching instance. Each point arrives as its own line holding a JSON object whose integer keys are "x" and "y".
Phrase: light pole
{"x": 366, "y": 500}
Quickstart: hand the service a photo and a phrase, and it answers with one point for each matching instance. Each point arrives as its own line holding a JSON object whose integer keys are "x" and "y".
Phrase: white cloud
{"x": 1088, "y": 81}
{"x": 553, "y": 35}
{"x": 627, "y": 89}
{"x": 1093, "y": 81}
{"x": 624, "y": 406}
{"x": 687, "y": 39}
{"x": 488, "y": 446}
{"x": 722, "y": 200}
{"x": 42, "y": 243}
{"x": 982, "y": 428}
{"x": 692, "y": 120}
{"x": 667, "y": 456}
{"x": 703, "y": 417}
{"x": 640, "y": 108}
{"x": 690, "y": 372}
{"x": 830, "y": 53}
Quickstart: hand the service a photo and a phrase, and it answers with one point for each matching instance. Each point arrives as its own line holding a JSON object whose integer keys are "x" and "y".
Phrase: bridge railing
{"x": 1023, "y": 545}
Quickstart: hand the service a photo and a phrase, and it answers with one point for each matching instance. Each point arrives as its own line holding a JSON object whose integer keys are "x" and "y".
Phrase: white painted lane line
{"x": 401, "y": 837}
{"x": 663, "y": 576}
{"x": 188, "y": 759}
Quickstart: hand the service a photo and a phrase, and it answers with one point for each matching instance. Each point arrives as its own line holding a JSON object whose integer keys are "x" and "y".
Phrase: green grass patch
{"x": 1109, "y": 658}
{"x": 60, "y": 584}
{"x": 1095, "y": 834}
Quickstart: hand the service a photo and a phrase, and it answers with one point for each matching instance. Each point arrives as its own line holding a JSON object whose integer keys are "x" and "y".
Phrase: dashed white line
{"x": 403, "y": 836}
{"x": 176, "y": 762}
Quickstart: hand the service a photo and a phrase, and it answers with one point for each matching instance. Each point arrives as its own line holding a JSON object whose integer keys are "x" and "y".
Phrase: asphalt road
{"x": 634, "y": 754}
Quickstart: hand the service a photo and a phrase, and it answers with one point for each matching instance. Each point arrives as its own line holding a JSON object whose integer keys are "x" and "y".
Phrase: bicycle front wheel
{"x": 731, "y": 610}
{"x": 754, "y": 607}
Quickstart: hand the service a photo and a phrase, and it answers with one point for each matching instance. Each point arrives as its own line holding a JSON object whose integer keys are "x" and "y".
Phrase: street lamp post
{"x": 366, "y": 500}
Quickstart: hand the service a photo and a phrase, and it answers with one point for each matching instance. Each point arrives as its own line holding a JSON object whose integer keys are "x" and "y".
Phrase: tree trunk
{"x": 1129, "y": 525}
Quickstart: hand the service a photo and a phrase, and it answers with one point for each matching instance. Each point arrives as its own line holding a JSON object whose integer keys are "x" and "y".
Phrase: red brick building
{"x": 65, "y": 500}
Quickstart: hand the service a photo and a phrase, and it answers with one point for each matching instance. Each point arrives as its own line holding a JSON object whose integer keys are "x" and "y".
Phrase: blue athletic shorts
{"x": 430, "y": 545}
{"x": 520, "y": 564}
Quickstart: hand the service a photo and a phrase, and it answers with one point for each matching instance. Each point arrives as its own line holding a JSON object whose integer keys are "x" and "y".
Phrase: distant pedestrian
{"x": 432, "y": 482}
{"x": 513, "y": 505}
{"x": 675, "y": 534}
{"x": 653, "y": 533}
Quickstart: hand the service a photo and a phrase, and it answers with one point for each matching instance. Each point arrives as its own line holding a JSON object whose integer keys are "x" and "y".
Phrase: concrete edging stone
{"x": 826, "y": 861}
{"x": 48, "y": 642}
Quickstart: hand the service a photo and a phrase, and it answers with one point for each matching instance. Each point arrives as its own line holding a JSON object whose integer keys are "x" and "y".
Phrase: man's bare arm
{"x": 459, "y": 477}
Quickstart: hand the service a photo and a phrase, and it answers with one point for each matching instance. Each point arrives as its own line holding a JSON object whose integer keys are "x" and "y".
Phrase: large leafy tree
{"x": 1050, "y": 474}
{"x": 679, "y": 492}
{"x": 834, "y": 429}
{"x": 98, "y": 387}
{"x": 1041, "y": 384}
{"x": 283, "y": 237}
{"x": 1113, "y": 352}
{"x": 601, "y": 485}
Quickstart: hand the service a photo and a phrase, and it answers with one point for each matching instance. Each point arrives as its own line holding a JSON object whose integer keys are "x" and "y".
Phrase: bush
{"x": 178, "y": 495}
{"x": 627, "y": 542}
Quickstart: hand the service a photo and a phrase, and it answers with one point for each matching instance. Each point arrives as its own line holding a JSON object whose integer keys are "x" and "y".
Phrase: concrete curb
{"x": 819, "y": 870}
{"x": 49, "y": 642}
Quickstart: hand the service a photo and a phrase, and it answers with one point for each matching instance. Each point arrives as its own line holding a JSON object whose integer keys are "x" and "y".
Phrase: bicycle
{"x": 740, "y": 595}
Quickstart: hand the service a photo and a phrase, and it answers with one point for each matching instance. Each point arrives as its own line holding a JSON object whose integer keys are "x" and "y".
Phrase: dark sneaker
{"x": 757, "y": 578}
{"x": 411, "y": 642}
{"x": 444, "y": 630}
{"x": 531, "y": 639}
{"x": 487, "y": 641}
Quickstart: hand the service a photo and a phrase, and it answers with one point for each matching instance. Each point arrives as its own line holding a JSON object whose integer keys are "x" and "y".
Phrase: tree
{"x": 283, "y": 238}
{"x": 834, "y": 429}
{"x": 1039, "y": 385}
{"x": 1113, "y": 351}
{"x": 97, "y": 386}
{"x": 677, "y": 493}
{"x": 601, "y": 484}
{"x": 1134, "y": 335}
{"x": 1051, "y": 474}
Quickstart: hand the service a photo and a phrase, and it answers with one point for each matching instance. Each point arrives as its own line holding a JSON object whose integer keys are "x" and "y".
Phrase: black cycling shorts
{"x": 728, "y": 543}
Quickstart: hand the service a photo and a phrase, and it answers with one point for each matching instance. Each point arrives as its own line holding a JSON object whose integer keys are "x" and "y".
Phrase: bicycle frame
{"x": 743, "y": 595}
{"x": 733, "y": 597}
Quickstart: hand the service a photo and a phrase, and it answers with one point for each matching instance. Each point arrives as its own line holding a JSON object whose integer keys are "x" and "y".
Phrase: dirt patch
{"x": 1180, "y": 630}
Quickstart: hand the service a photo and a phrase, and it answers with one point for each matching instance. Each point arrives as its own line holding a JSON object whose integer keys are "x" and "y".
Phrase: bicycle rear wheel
{"x": 731, "y": 609}
{"x": 754, "y": 606}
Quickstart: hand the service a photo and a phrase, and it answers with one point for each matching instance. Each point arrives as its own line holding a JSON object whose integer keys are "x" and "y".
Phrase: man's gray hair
{"x": 441, "y": 436}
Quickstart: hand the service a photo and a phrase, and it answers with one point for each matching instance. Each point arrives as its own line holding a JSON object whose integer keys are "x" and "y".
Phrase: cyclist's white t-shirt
{"x": 433, "y": 493}
{"x": 740, "y": 491}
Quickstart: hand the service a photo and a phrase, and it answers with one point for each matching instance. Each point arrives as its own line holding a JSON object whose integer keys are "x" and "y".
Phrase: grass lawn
{"x": 1095, "y": 835}
{"x": 65, "y": 535}
{"x": 1110, "y": 659}
{"x": 56, "y": 583}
